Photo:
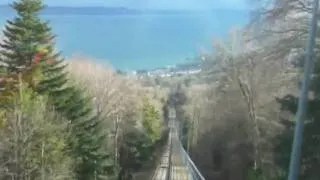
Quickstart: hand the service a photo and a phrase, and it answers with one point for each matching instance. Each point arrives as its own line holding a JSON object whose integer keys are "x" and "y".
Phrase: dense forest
{"x": 69, "y": 119}
{"x": 239, "y": 113}
{"x": 74, "y": 119}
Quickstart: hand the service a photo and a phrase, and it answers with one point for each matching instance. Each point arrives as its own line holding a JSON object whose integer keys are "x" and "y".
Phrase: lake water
{"x": 131, "y": 42}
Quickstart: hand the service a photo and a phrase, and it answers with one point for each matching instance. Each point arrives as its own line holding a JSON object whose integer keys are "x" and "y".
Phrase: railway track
{"x": 179, "y": 170}
{"x": 176, "y": 167}
{"x": 175, "y": 164}
{"x": 162, "y": 170}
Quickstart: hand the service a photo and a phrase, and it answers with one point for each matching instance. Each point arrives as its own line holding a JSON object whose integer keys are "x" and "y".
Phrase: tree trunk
{"x": 248, "y": 93}
{"x": 42, "y": 162}
{"x": 18, "y": 133}
{"x": 116, "y": 134}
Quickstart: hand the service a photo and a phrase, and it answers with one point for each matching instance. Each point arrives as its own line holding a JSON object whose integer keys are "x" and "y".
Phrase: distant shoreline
{"x": 151, "y": 39}
{"x": 110, "y": 11}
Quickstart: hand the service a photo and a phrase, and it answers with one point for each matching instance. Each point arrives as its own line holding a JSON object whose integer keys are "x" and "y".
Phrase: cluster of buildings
{"x": 171, "y": 71}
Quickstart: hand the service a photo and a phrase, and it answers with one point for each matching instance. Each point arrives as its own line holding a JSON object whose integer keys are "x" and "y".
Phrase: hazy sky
{"x": 163, "y": 4}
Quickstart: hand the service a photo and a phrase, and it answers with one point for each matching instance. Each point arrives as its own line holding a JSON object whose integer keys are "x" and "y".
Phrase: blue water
{"x": 131, "y": 42}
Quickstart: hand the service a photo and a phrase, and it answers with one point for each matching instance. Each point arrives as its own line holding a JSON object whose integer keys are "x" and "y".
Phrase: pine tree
{"x": 23, "y": 36}
{"x": 135, "y": 150}
{"x": 29, "y": 43}
{"x": 151, "y": 120}
{"x": 87, "y": 138}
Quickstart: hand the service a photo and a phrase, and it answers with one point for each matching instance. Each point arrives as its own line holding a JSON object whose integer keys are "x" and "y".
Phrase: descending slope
{"x": 175, "y": 163}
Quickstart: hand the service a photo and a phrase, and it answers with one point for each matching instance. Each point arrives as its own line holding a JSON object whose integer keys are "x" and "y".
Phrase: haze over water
{"x": 138, "y": 41}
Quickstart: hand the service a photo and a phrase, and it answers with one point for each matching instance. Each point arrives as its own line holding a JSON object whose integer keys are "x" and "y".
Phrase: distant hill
{"x": 4, "y": 9}
{"x": 79, "y": 10}
{"x": 90, "y": 10}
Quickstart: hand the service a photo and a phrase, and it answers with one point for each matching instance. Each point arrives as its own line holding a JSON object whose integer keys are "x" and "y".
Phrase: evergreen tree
{"x": 87, "y": 138}
{"x": 29, "y": 41}
{"x": 151, "y": 121}
{"x": 135, "y": 150}
{"x": 23, "y": 36}
{"x": 138, "y": 145}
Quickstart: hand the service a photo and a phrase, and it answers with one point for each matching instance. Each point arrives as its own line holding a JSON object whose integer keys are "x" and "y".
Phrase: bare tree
{"x": 194, "y": 107}
{"x": 257, "y": 79}
{"x": 117, "y": 99}
{"x": 281, "y": 26}
{"x": 32, "y": 146}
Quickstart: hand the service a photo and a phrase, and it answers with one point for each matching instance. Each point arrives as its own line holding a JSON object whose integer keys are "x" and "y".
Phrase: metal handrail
{"x": 170, "y": 155}
{"x": 196, "y": 175}
{"x": 190, "y": 164}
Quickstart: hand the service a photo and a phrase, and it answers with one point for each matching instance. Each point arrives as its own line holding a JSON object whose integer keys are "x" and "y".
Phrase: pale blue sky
{"x": 163, "y": 4}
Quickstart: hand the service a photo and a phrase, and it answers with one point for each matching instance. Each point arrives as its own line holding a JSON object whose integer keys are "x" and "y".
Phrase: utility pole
{"x": 294, "y": 169}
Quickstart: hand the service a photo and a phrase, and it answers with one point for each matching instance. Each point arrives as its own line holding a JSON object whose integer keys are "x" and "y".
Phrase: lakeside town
{"x": 169, "y": 71}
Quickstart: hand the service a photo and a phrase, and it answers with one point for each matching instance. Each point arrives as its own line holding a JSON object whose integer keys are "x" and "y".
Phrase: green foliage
{"x": 87, "y": 137}
{"x": 2, "y": 119}
{"x": 135, "y": 150}
{"x": 138, "y": 145}
{"x": 151, "y": 120}
{"x": 37, "y": 143}
{"x": 255, "y": 174}
{"x": 23, "y": 35}
{"x": 25, "y": 38}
